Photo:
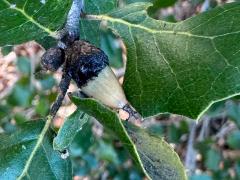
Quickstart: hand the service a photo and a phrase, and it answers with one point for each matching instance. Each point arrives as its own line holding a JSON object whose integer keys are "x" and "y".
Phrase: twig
{"x": 204, "y": 129}
{"x": 227, "y": 128}
{"x": 190, "y": 158}
{"x": 72, "y": 26}
{"x": 71, "y": 31}
{"x": 205, "y": 6}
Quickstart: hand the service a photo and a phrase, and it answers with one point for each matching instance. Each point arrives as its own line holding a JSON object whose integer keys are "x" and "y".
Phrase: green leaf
{"x": 28, "y": 154}
{"x": 233, "y": 139}
{"x": 213, "y": 159}
{"x": 179, "y": 68}
{"x": 83, "y": 141}
{"x": 42, "y": 107}
{"x": 22, "y": 93}
{"x": 153, "y": 11}
{"x": 4, "y": 110}
{"x": 24, "y": 65}
{"x": 25, "y": 20}
{"x": 20, "y": 118}
{"x": 156, "y": 3}
{"x": 111, "y": 46}
{"x": 163, "y": 3}
{"x": 158, "y": 157}
{"x": 201, "y": 177}
{"x": 107, "y": 152}
{"x": 47, "y": 81}
{"x": 72, "y": 125}
{"x": 152, "y": 154}
{"x": 233, "y": 111}
{"x": 91, "y": 30}
{"x": 5, "y": 50}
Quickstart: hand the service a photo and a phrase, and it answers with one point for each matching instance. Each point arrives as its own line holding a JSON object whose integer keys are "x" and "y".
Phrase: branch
{"x": 72, "y": 26}
{"x": 205, "y": 6}
{"x": 190, "y": 159}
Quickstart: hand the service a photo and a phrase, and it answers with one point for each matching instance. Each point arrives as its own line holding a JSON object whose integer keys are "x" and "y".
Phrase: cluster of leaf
{"x": 91, "y": 155}
{"x": 220, "y": 150}
{"x": 24, "y": 95}
{"x": 94, "y": 156}
{"x": 171, "y": 68}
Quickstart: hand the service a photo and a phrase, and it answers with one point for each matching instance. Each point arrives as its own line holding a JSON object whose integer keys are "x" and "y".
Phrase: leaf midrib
{"x": 30, "y": 18}
{"x": 153, "y": 31}
{"x": 38, "y": 144}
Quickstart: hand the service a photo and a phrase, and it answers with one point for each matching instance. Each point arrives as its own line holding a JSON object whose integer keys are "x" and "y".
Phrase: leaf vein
{"x": 136, "y": 64}
{"x": 49, "y": 161}
{"x": 172, "y": 71}
{"x": 154, "y": 31}
{"x": 51, "y": 33}
{"x": 38, "y": 144}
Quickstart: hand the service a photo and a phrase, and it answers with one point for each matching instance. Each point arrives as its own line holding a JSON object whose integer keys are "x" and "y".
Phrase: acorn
{"x": 89, "y": 68}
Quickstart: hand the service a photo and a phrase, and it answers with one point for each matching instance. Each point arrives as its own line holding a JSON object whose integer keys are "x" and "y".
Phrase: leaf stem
{"x": 38, "y": 144}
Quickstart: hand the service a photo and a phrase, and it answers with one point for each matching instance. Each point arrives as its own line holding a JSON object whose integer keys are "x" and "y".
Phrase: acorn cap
{"x": 85, "y": 61}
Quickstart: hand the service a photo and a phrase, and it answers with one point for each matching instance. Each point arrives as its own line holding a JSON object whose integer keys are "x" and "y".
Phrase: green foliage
{"x": 91, "y": 30}
{"x": 22, "y": 93}
{"x": 234, "y": 139}
{"x": 69, "y": 129}
{"x": 24, "y": 65}
{"x": 233, "y": 111}
{"x": 47, "y": 82}
{"x": 158, "y": 158}
{"x": 29, "y": 153}
{"x": 27, "y": 20}
{"x": 213, "y": 159}
{"x": 159, "y": 56}
{"x": 151, "y": 153}
{"x": 172, "y": 67}
{"x": 201, "y": 177}
{"x": 156, "y": 3}
{"x": 166, "y": 49}
{"x": 93, "y": 156}
{"x": 5, "y": 50}
{"x": 42, "y": 107}
{"x": 111, "y": 46}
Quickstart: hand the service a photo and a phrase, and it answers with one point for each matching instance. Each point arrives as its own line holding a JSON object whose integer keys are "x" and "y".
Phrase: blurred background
{"x": 209, "y": 148}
